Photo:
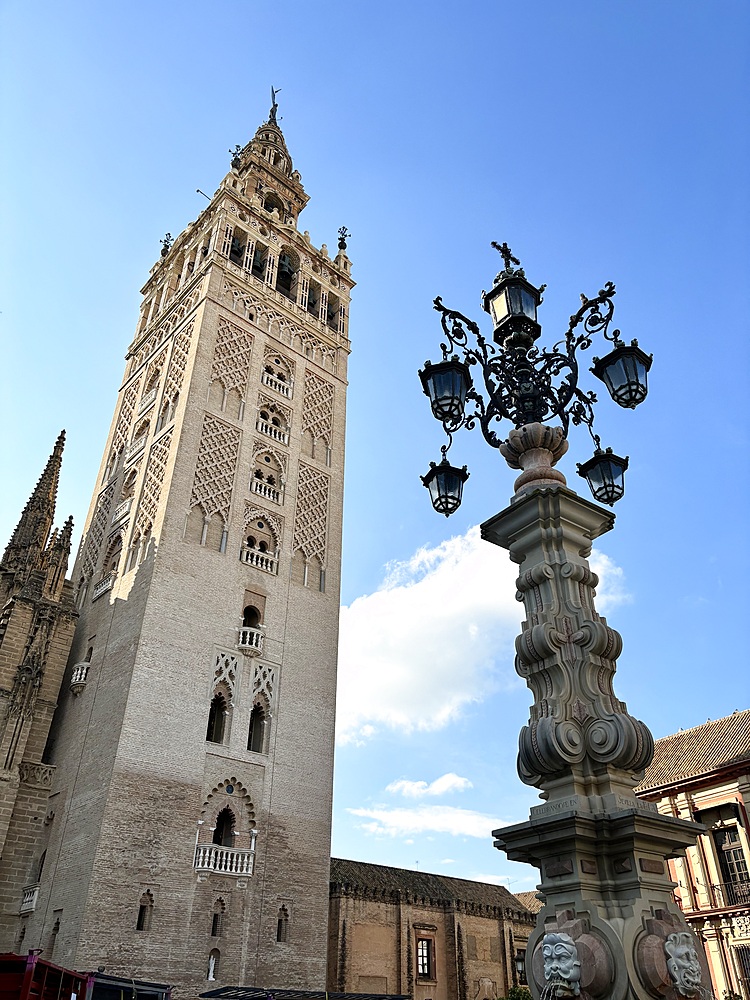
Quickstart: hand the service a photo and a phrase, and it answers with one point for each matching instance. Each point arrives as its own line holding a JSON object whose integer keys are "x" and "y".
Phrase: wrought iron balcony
{"x": 227, "y": 860}
{"x": 29, "y": 896}
{"x": 250, "y": 640}
{"x": 726, "y": 894}
{"x": 266, "y": 561}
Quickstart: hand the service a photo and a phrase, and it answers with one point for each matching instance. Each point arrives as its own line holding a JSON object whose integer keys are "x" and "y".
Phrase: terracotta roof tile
{"x": 530, "y": 901}
{"x": 440, "y": 888}
{"x": 716, "y": 744}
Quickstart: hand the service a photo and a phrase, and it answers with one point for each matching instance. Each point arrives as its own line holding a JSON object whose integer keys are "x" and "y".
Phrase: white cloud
{"x": 440, "y": 786}
{"x": 427, "y": 819}
{"x": 437, "y": 635}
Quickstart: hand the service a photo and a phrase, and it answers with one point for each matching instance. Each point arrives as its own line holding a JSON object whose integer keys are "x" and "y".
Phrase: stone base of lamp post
{"x": 609, "y": 914}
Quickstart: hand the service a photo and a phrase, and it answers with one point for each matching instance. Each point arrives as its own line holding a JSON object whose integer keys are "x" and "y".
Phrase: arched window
{"x": 217, "y": 918}
{"x": 128, "y": 486}
{"x": 286, "y": 275}
{"x": 251, "y": 617}
{"x": 282, "y": 925}
{"x": 272, "y": 202}
{"x": 223, "y": 834}
{"x": 112, "y": 559}
{"x": 145, "y": 911}
{"x": 257, "y": 732}
{"x": 213, "y": 964}
{"x": 217, "y": 714}
{"x": 260, "y": 256}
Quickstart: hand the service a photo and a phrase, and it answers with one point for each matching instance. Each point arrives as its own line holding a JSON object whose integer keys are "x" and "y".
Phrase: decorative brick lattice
{"x": 311, "y": 518}
{"x": 279, "y": 325}
{"x": 231, "y": 364}
{"x": 275, "y": 523}
{"x": 264, "y": 682}
{"x": 154, "y": 369}
{"x": 125, "y": 419}
{"x": 215, "y": 468}
{"x": 152, "y": 483}
{"x": 178, "y": 363}
{"x": 226, "y": 666}
{"x": 99, "y": 524}
{"x": 171, "y": 323}
{"x": 317, "y": 408}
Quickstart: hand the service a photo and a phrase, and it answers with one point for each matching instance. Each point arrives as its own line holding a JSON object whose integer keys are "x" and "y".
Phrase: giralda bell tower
{"x": 189, "y": 838}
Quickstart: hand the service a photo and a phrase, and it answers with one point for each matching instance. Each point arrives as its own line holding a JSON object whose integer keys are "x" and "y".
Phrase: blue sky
{"x": 602, "y": 141}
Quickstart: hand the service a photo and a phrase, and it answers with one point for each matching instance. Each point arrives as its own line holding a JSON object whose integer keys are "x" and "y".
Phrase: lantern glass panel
{"x": 521, "y": 302}
{"x": 605, "y": 474}
{"x": 499, "y": 307}
{"x": 624, "y": 372}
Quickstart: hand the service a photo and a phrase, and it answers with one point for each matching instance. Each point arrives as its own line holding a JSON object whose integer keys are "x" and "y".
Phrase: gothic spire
{"x": 29, "y": 540}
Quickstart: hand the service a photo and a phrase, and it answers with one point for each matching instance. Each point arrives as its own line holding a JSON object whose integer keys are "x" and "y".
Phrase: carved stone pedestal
{"x": 610, "y": 926}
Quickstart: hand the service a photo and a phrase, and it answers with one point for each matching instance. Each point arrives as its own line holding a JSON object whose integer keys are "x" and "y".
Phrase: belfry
{"x": 188, "y": 814}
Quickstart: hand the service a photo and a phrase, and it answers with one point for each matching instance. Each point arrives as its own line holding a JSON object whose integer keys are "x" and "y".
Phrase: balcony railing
{"x": 137, "y": 446}
{"x": 227, "y": 860}
{"x": 266, "y": 561}
{"x": 78, "y": 677}
{"x": 272, "y": 431}
{"x": 121, "y": 510}
{"x": 285, "y": 388}
{"x": 250, "y": 640}
{"x": 731, "y": 894}
{"x": 147, "y": 400}
{"x": 29, "y": 896}
{"x": 104, "y": 585}
{"x": 266, "y": 490}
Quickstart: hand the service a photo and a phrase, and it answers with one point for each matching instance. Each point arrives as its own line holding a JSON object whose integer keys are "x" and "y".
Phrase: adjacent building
{"x": 182, "y": 832}
{"x": 432, "y": 937}
{"x": 703, "y": 774}
{"x": 37, "y": 621}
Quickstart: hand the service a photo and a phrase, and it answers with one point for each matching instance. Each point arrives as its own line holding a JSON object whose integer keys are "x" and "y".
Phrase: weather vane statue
{"x": 274, "y": 106}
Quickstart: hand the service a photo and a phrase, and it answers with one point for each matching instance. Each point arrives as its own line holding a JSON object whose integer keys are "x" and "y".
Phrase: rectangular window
{"x": 425, "y": 958}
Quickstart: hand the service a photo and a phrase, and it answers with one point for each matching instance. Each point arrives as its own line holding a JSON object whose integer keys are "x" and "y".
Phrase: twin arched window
{"x": 217, "y": 715}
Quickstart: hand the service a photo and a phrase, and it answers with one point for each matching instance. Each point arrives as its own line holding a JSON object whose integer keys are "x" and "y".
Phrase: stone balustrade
{"x": 267, "y": 561}
{"x": 227, "y": 860}
{"x": 29, "y": 896}
{"x": 266, "y": 490}
{"x": 284, "y": 388}
{"x": 250, "y": 640}
{"x": 272, "y": 431}
{"x": 104, "y": 585}
{"x": 147, "y": 400}
{"x": 121, "y": 510}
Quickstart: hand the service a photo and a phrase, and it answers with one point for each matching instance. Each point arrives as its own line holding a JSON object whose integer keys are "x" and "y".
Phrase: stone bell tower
{"x": 193, "y": 743}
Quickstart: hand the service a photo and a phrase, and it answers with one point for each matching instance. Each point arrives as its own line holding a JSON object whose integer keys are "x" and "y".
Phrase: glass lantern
{"x": 512, "y": 304}
{"x": 605, "y": 474}
{"x": 446, "y": 384}
{"x": 445, "y": 483}
{"x": 624, "y": 372}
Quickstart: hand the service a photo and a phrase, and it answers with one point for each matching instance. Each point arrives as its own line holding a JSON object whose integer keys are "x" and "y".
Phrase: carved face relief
{"x": 561, "y": 962}
{"x": 683, "y": 963}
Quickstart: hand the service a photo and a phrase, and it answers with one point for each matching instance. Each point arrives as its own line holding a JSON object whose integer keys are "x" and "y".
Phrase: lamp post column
{"x": 609, "y": 926}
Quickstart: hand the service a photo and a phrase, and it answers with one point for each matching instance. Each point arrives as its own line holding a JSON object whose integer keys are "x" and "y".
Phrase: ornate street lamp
{"x": 609, "y": 927}
{"x": 526, "y": 384}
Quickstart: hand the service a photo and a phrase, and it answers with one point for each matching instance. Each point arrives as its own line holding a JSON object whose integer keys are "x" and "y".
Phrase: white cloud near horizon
{"x": 436, "y": 636}
{"x": 440, "y": 786}
{"x": 385, "y": 821}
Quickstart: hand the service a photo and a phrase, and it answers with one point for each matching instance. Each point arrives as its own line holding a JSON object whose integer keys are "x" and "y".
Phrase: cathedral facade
{"x": 192, "y": 747}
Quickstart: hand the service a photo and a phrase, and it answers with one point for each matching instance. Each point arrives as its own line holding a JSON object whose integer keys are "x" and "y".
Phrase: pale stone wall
{"x": 137, "y": 784}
